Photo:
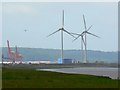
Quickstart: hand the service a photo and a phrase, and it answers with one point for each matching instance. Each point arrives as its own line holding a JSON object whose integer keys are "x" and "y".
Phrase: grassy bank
{"x": 0, "y": 78}
{"x": 27, "y": 78}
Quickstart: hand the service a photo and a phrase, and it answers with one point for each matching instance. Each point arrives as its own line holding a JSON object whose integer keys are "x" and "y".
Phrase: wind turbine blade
{"x": 84, "y": 22}
{"x": 93, "y": 34}
{"x": 89, "y": 28}
{"x": 53, "y": 32}
{"x": 68, "y": 33}
{"x": 75, "y": 33}
{"x": 76, "y": 38}
{"x": 83, "y": 40}
{"x": 63, "y": 19}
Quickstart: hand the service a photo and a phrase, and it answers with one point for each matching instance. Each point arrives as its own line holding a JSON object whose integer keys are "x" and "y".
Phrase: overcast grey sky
{"x": 41, "y": 19}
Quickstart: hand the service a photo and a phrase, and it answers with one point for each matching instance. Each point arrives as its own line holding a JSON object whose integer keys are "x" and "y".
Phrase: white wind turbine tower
{"x": 62, "y": 29}
{"x": 85, "y": 41}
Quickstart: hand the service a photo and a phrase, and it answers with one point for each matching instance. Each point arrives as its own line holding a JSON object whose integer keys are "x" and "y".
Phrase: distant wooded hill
{"x": 54, "y": 54}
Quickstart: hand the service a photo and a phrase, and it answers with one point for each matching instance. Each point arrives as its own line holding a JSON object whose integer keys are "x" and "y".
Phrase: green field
{"x": 28, "y": 78}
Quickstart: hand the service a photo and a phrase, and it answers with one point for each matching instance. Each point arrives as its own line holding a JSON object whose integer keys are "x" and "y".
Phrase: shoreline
{"x": 48, "y": 66}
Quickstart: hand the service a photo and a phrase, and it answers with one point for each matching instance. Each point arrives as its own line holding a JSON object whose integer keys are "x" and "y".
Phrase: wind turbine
{"x": 82, "y": 42}
{"x": 62, "y": 30}
{"x": 85, "y": 41}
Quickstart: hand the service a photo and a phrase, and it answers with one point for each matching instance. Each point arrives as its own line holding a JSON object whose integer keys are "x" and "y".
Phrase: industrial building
{"x": 64, "y": 61}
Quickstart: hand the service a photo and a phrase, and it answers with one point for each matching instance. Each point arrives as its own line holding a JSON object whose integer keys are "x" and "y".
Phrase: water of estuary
{"x": 98, "y": 71}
